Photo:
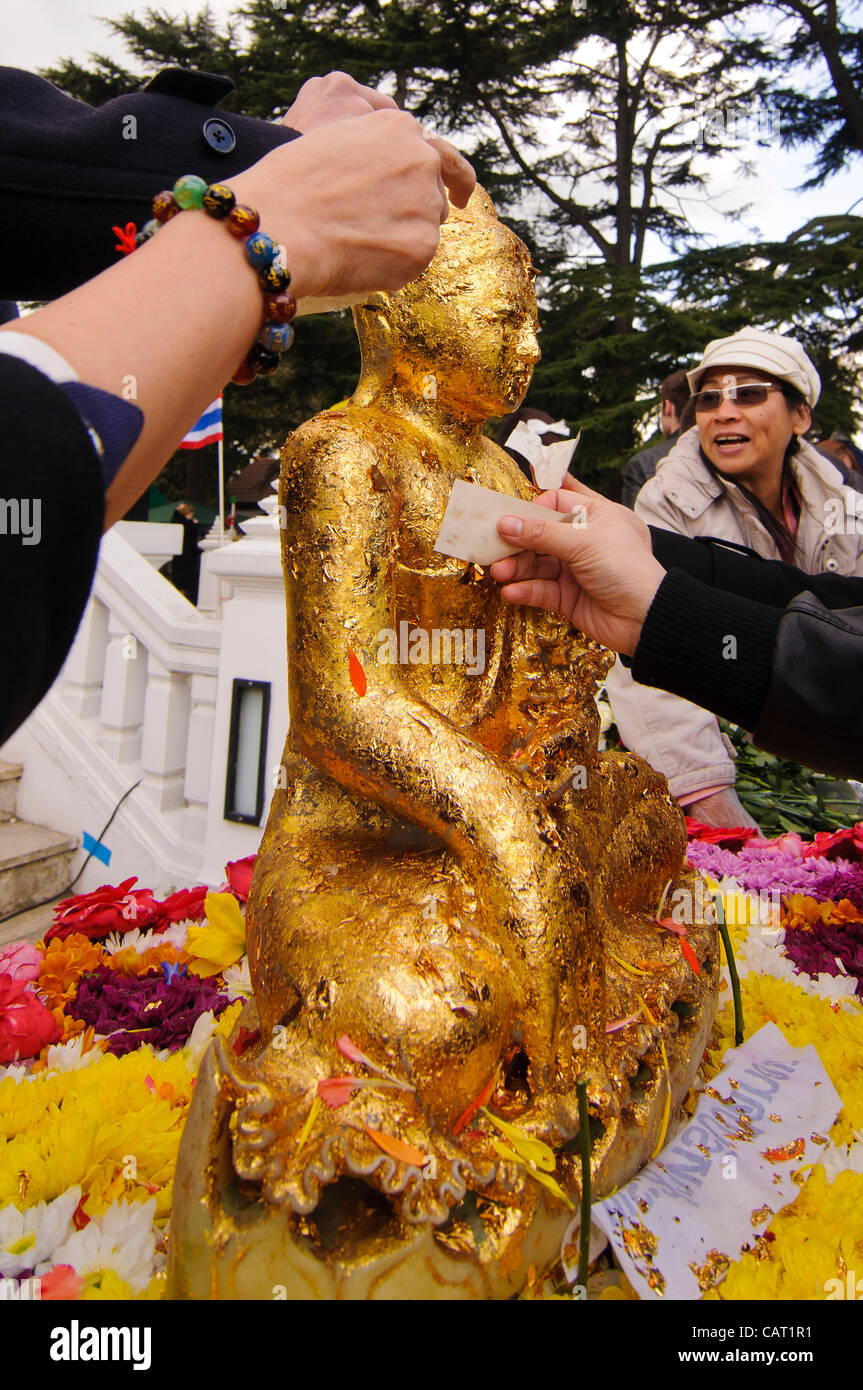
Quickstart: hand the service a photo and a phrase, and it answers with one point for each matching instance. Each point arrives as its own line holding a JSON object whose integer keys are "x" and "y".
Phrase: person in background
{"x": 840, "y": 450}
{"x": 743, "y": 475}
{"x": 673, "y": 396}
{"x": 185, "y": 567}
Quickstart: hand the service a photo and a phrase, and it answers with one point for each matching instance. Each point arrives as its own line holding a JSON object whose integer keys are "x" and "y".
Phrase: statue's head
{"x": 464, "y": 332}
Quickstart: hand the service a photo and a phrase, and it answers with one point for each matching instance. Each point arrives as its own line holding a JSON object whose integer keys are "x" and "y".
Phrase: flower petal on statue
{"x": 336, "y": 1091}
{"x": 666, "y": 1109}
{"x": 317, "y": 1107}
{"x": 222, "y": 941}
{"x": 690, "y": 956}
{"x": 348, "y": 1048}
{"x": 476, "y": 1104}
{"x": 532, "y": 1151}
{"x": 671, "y": 925}
{"x": 621, "y": 1023}
{"x": 356, "y": 672}
{"x": 552, "y": 1184}
{"x": 397, "y": 1148}
{"x": 624, "y": 965}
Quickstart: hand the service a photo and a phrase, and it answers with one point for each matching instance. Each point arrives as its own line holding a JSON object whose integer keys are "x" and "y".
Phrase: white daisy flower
{"x": 122, "y": 1240}
{"x": 238, "y": 980}
{"x": 141, "y": 941}
{"x": 31, "y": 1237}
{"x": 68, "y": 1056}
{"x": 17, "y": 1072}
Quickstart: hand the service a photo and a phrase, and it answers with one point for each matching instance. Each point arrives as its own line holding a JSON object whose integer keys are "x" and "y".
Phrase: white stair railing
{"x": 136, "y": 701}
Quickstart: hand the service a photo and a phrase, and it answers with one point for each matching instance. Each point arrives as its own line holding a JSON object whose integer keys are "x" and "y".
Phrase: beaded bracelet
{"x": 262, "y": 253}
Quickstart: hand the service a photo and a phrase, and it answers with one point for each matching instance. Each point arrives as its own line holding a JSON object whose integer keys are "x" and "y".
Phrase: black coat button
{"x": 219, "y": 135}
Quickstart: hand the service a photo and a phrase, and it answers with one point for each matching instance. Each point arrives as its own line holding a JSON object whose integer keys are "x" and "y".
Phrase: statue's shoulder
{"x": 341, "y": 440}
{"x": 341, "y": 427}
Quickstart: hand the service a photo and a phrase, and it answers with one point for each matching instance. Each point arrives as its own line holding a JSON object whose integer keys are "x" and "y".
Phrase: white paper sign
{"x": 469, "y": 527}
{"x": 716, "y": 1187}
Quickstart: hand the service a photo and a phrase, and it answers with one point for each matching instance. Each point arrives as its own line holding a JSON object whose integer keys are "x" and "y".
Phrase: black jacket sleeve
{"x": 773, "y": 649}
{"x": 51, "y": 512}
{"x": 737, "y": 570}
{"x": 70, "y": 172}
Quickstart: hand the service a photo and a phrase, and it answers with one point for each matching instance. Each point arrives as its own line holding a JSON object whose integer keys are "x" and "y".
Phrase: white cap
{"x": 780, "y": 357}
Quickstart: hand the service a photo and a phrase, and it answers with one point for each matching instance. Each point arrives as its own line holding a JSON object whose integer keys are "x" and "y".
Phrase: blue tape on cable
{"x": 96, "y": 848}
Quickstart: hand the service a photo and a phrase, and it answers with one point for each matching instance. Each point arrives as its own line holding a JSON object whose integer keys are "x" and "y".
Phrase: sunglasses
{"x": 751, "y": 393}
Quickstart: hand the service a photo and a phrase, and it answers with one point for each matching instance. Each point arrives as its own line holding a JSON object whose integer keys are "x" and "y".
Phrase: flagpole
{"x": 221, "y": 491}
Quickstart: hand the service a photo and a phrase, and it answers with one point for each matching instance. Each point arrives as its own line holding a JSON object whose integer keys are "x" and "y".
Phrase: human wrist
{"x": 280, "y": 219}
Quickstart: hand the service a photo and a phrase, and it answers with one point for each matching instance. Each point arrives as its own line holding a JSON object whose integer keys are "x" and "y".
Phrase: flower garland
{"x": 104, "y": 1023}
{"x": 102, "y": 1030}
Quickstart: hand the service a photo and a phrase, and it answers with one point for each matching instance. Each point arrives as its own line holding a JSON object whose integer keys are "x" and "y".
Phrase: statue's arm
{"x": 367, "y": 730}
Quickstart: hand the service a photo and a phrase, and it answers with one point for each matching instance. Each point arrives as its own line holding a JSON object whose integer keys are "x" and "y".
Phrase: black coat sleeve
{"x": 740, "y": 571}
{"x": 70, "y": 172}
{"x": 51, "y": 513}
{"x": 761, "y": 643}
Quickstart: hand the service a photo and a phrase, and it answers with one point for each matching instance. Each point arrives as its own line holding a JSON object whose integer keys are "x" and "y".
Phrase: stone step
{"x": 35, "y": 864}
{"x": 30, "y": 925}
{"x": 10, "y": 776}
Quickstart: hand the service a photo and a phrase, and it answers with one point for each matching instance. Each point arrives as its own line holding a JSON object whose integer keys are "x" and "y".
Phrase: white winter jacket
{"x": 674, "y": 736}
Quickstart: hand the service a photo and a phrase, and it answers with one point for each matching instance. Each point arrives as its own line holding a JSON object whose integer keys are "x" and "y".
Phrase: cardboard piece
{"x": 469, "y": 527}
{"x": 717, "y": 1185}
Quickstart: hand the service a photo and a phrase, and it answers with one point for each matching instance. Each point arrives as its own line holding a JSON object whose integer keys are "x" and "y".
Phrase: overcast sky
{"x": 45, "y": 31}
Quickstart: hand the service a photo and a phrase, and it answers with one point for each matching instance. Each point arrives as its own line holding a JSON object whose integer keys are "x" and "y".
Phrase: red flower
{"x": 842, "y": 844}
{"x": 26, "y": 1026}
{"x": 239, "y": 875}
{"x": 185, "y": 904}
{"x": 104, "y": 911}
{"x": 728, "y": 837}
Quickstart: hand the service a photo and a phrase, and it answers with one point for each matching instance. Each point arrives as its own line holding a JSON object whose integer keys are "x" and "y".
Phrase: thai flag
{"x": 207, "y": 430}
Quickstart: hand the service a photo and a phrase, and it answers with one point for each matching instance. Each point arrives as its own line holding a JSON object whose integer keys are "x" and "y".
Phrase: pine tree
{"x": 588, "y": 122}
{"x": 810, "y": 39}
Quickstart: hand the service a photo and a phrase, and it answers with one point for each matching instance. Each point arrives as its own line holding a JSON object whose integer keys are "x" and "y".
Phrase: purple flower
{"x": 144, "y": 1009}
{"x": 816, "y": 951}
{"x": 758, "y": 870}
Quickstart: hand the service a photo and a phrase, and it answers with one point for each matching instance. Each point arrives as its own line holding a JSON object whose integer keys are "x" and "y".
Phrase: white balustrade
{"x": 123, "y": 692}
{"x": 145, "y": 697}
{"x": 84, "y": 672}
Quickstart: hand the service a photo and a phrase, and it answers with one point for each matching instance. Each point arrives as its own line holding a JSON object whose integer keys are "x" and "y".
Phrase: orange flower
{"x": 65, "y": 962}
{"x": 129, "y": 962}
{"x": 805, "y": 913}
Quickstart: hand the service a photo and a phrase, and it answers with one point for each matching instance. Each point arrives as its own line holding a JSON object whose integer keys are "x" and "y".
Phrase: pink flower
{"x": 26, "y": 1026}
{"x": 21, "y": 960}
{"x": 61, "y": 1282}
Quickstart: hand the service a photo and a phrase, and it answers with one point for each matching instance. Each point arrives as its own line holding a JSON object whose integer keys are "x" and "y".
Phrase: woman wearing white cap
{"x": 744, "y": 474}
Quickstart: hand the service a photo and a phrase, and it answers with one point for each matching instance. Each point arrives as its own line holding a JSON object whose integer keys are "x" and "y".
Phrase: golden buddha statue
{"x": 453, "y": 908}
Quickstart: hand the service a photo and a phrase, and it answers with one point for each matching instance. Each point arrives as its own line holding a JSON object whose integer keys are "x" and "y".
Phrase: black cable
{"x": 31, "y": 907}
